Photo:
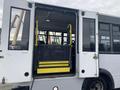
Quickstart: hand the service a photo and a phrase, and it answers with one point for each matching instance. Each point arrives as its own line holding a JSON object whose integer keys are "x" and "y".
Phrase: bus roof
{"x": 71, "y": 6}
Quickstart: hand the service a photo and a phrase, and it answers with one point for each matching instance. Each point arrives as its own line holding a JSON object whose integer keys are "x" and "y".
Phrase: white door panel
{"x": 16, "y": 66}
{"x": 88, "y": 59}
{"x": 88, "y": 66}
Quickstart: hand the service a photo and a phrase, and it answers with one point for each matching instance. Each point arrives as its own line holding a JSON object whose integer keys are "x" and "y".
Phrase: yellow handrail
{"x": 36, "y": 38}
{"x": 70, "y": 32}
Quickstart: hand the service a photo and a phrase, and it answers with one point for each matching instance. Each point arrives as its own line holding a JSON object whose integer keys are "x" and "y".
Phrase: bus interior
{"x": 54, "y": 41}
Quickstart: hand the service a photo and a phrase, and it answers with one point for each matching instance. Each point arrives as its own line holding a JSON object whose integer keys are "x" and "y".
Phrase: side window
{"x": 54, "y": 38}
{"x": 0, "y": 35}
{"x": 19, "y": 29}
{"x": 50, "y": 38}
{"x": 88, "y": 34}
{"x": 116, "y": 38}
{"x": 104, "y": 37}
{"x": 65, "y": 35}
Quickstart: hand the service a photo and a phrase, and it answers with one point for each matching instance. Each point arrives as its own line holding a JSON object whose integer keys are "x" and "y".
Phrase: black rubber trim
{"x": 22, "y": 88}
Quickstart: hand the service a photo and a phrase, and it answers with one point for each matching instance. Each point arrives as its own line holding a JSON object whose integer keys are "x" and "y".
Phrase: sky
{"x": 109, "y": 7}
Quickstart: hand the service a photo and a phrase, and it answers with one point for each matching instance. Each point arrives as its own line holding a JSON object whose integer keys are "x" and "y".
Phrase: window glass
{"x": 104, "y": 37}
{"x": 65, "y": 39}
{"x": 88, "y": 34}
{"x": 0, "y": 35}
{"x": 42, "y": 37}
{"x": 73, "y": 37}
{"x": 51, "y": 38}
{"x": 54, "y": 38}
{"x": 104, "y": 26}
{"x": 116, "y": 38}
{"x": 19, "y": 29}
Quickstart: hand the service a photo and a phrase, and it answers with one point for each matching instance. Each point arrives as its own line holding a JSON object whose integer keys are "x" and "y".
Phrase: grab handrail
{"x": 36, "y": 38}
{"x": 70, "y": 33}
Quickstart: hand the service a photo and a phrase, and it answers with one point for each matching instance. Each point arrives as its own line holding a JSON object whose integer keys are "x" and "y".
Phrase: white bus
{"x": 47, "y": 47}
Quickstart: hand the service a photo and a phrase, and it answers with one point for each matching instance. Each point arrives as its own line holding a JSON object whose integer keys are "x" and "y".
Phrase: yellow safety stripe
{"x": 54, "y": 65}
{"x": 53, "y": 70}
{"x": 53, "y": 62}
{"x": 36, "y": 38}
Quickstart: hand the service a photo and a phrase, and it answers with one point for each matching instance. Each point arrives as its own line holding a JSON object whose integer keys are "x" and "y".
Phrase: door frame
{"x": 89, "y": 15}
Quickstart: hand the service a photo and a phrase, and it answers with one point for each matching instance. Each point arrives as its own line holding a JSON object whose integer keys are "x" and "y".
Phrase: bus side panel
{"x": 110, "y": 60}
{"x": 61, "y": 84}
{"x": 111, "y": 64}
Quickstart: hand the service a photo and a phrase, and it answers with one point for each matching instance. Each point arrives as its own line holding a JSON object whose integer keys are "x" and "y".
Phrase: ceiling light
{"x": 47, "y": 20}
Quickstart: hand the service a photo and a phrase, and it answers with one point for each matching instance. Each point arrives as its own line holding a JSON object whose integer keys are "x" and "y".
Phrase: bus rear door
{"x": 88, "y": 35}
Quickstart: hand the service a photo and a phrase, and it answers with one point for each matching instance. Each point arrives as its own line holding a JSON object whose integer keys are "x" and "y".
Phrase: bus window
{"x": 19, "y": 29}
{"x": 88, "y": 34}
{"x": 116, "y": 38}
{"x": 0, "y": 35}
{"x": 104, "y": 37}
{"x": 54, "y": 38}
{"x": 65, "y": 39}
{"x": 42, "y": 37}
{"x": 50, "y": 38}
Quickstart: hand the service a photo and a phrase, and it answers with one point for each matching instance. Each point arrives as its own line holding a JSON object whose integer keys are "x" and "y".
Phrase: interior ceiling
{"x": 57, "y": 21}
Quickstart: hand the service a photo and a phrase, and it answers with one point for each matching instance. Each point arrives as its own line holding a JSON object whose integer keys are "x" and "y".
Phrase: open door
{"x": 54, "y": 45}
{"x": 88, "y": 55}
{"x": 17, "y": 42}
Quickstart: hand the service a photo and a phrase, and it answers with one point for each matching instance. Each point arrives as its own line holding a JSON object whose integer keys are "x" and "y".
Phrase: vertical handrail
{"x": 70, "y": 43}
{"x": 17, "y": 29}
{"x": 36, "y": 33}
{"x": 70, "y": 33}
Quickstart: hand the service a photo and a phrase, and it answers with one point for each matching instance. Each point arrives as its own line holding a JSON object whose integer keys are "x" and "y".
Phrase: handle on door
{"x": 95, "y": 56}
{"x": 1, "y": 57}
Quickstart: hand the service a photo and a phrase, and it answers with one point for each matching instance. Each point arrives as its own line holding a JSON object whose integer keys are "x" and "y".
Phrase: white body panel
{"x": 86, "y": 59}
{"x": 111, "y": 63}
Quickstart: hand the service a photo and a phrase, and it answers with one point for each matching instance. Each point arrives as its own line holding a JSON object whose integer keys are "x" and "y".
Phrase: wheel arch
{"x": 102, "y": 73}
{"x": 108, "y": 75}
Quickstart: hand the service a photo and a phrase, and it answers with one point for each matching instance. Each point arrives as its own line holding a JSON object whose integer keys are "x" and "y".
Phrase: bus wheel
{"x": 95, "y": 84}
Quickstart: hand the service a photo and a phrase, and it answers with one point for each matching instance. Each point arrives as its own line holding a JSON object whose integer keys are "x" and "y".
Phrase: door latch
{"x": 95, "y": 56}
{"x": 1, "y": 57}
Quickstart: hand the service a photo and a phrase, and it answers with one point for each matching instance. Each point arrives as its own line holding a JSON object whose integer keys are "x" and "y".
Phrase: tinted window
{"x": 54, "y": 38}
{"x": 104, "y": 37}
{"x": 0, "y": 35}
{"x": 116, "y": 38}
{"x": 19, "y": 29}
{"x": 88, "y": 34}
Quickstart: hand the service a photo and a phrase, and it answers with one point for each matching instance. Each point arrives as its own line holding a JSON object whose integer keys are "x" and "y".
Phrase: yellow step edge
{"x": 52, "y": 62}
{"x": 54, "y": 65}
{"x": 53, "y": 70}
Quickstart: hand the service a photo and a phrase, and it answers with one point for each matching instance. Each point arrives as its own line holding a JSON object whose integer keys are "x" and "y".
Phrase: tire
{"x": 96, "y": 84}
